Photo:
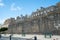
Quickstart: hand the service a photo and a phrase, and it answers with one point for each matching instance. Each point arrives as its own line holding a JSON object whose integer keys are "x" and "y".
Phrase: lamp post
{"x": 22, "y": 23}
{"x": 57, "y": 27}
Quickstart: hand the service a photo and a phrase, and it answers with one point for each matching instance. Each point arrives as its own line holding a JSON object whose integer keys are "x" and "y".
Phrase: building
{"x": 44, "y": 20}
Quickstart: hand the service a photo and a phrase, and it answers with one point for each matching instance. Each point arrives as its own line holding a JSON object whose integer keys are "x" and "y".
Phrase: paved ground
{"x": 28, "y": 37}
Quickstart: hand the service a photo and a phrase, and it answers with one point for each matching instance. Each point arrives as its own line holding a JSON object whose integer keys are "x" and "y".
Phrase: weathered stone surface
{"x": 40, "y": 21}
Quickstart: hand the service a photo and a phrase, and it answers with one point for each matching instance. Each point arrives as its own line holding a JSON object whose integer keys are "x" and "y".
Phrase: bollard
{"x": 10, "y": 37}
{"x": 0, "y": 35}
{"x": 35, "y": 38}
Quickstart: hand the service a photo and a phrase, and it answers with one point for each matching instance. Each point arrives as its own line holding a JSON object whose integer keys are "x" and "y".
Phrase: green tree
{"x": 3, "y": 29}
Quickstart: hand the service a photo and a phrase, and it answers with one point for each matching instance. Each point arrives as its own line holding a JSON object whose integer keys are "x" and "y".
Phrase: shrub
{"x": 3, "y": 29}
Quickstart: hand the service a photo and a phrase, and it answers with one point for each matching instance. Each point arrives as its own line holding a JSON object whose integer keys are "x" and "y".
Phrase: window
{"x": 48, "y": 10}
{"x": 41, "y": 12}
{"x": 34, "y": 15}
{"x": 44, "y": 11}
{"x": 51, "y": 9}
{"x": 37, "y": 13}
{"x": 59, "y": 25}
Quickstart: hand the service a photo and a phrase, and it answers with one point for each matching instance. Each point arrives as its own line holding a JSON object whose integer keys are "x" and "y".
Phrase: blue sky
{"x": 14, "y": 8}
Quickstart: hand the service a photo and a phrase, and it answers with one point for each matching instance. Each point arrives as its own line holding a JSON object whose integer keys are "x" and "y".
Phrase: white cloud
{"x": 18, "y": 8}
{"x": 14, "y": 7}
{"x": 1, "y": 4}
{"x": 0, "y": 0}
{"x": 2, "y": 21}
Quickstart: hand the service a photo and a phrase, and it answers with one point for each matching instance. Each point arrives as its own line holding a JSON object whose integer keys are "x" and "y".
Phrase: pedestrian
{"x": 10, "y": 37}
{"x": 53, "y": 39}
{"x": 35, "y": 38}
{"x": 0, "y": 35}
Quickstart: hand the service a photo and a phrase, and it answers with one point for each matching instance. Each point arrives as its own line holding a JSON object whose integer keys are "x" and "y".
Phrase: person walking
{"x": 0, "y": 35}
{"x": 35, "y": 38}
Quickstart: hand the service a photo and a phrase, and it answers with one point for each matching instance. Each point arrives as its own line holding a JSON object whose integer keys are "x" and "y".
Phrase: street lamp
{"x": 57, "y": 27}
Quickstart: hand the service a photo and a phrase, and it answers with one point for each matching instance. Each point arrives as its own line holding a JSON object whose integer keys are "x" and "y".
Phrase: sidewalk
{"x": 30, "y": 36}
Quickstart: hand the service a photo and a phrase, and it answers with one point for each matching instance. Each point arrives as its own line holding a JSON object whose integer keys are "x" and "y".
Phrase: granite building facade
{"x": 41, "y": 21}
